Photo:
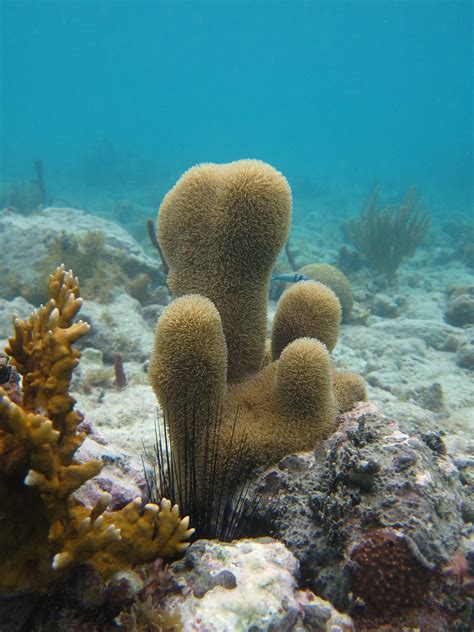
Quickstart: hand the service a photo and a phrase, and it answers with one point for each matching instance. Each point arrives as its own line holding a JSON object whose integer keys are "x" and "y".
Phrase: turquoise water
{"x": 124, "y": 95}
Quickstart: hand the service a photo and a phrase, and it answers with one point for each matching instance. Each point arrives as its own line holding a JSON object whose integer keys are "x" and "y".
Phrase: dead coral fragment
{"x": 387, "y": 236}
{"x": 43, "y": 529}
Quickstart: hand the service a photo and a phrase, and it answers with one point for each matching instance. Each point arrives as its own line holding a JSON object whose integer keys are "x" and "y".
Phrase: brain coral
{"x": 336, "y": 280}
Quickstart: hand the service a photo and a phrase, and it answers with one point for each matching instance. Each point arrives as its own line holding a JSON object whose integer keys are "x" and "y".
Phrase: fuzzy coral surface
{"x": 336, "y": 280}
{"x": 221, "y": 228}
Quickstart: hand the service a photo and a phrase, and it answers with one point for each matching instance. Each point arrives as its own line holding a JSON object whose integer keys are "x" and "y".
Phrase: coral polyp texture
{"x": 336, "y": 280}
{"x": 387, "y": 571}
{"x": 44, "y": 530}
{"x": 306, "y": 309}
{"x": 348, "y": 387}
{"x": 220, "y": 229}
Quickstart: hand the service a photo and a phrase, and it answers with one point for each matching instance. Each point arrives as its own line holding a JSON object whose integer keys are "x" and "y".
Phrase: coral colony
{"x": 221, "y": 228}
{"x": 210, "y": 355}
{"x": 44, "y": 531}
{"x": 261, "y": 433}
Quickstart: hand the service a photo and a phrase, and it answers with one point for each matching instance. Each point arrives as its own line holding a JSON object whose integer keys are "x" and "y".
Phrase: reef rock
{"x": 246, "y": 585}
{"x": 385, "y": 306}
{"x": 435, "y": 334}
{"x": 465, "y": 354}
{"x": 57, "y": 232}
{"x": 122, "y": 475}
{"x": 118, "y": 327}
{"x": 460, "y": 310}
{"x": 375, "y": 505}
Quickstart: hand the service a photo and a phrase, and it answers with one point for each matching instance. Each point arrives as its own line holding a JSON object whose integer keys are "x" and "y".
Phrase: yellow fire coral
{"x": 43, "y": 528}
{"x": 220, "y": 229}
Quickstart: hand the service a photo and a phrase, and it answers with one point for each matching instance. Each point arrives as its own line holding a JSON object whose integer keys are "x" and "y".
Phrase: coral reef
{"x": 387, "y": 236}
{"x": 44, "y": 529}
{"x": 246, "y": 585}
{"x": 221, "y": 228}
{"x": 334, "y": 279}
{"x": 378, "y": 508}
{"x": 103, "y": 254}
{"x": 88, "y": 257}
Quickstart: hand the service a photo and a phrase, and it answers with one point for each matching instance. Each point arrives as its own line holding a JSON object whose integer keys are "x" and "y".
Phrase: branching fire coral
{"x": 43, "y": 528}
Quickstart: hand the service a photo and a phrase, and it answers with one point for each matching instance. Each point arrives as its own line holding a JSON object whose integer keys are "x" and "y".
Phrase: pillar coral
{"x": 221, "y": 228}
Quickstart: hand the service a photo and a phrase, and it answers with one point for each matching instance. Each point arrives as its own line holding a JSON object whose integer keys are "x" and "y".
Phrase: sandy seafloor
{"x": 398, "y": 338}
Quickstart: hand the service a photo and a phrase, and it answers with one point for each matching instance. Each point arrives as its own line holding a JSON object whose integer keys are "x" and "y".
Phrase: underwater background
{"x": 118, "y": 98}
{"x": 350, "y": 399}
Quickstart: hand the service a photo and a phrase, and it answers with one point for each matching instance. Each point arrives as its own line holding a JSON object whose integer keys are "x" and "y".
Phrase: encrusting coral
{"x": 387, "y": 571}
{"x": 220, "y": 229}
{"x": 43, "y": 528}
